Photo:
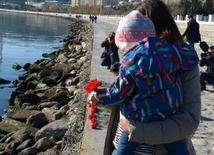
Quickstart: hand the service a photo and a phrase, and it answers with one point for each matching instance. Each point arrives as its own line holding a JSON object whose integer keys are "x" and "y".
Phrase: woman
{"x": 184, "y": 123}
{"x": 179, "y": 126}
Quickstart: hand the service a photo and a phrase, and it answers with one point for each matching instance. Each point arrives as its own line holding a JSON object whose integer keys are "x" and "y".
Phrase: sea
{"x": 23, "y": 39}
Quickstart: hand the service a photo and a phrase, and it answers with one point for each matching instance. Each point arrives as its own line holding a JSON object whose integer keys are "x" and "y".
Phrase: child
{"x": 148, "y": 87}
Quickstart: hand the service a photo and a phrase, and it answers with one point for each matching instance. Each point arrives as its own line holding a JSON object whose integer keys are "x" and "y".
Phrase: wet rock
{"x": 3, "y": 81}
{"x": 26, "y": 66}
{"x": 16, "y": 66}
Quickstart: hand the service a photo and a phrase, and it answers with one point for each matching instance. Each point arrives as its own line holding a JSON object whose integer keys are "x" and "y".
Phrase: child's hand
{"x": 92, "y": 98}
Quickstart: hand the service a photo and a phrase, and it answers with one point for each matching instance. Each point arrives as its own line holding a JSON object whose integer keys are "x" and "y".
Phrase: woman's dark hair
{"x": 165, "y": 25}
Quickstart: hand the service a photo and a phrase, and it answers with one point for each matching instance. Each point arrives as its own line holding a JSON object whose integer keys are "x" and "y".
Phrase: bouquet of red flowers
{"x": 92, "y": 86}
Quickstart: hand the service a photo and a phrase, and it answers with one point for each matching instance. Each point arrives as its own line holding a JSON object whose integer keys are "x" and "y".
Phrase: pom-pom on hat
{"x": 133, "y": 28}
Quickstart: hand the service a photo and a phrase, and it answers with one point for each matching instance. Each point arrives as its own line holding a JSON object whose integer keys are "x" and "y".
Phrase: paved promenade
{"x": 93, "y": 139}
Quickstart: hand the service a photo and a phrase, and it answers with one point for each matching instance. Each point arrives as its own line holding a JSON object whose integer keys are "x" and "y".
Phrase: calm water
{"x": 23, "y": 38}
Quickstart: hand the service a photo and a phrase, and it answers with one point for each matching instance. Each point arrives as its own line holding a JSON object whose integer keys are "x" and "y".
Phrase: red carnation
{"x": 94, "y": 125}
{"x": 92, "y": 85}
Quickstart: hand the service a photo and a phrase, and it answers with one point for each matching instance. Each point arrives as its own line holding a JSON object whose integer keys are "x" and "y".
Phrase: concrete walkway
{"x": 93, "y": 139}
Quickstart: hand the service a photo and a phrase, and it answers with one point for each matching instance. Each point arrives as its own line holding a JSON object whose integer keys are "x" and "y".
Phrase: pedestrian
{"x": 182, "y": 124}
{"x": 208, "y": 61}
{"x": 90, "y": 18}
{"x": 192, "y": 31}
{"x": 95, "y": 18}
{"x": 110, "y": 53}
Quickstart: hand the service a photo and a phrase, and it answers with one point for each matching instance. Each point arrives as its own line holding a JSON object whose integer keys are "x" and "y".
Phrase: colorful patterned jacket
{"x": 148, "y": 87}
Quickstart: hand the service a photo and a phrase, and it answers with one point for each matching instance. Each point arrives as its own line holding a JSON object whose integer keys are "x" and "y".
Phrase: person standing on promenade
{"x": 137, "y": 51}
{"x": 110, "y": 54}
{"x": 90, "y": 18}
{"x": 95, "y": 18}
{"x": 184, "y": 123}
{"x": 208, "y": 61}
{"x": 113, "y": 94}
{"x": 192, "y": 32}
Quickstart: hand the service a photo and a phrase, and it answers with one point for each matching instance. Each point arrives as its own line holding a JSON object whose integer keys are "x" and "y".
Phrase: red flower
{"x": 90, "y": 117}
{"x": 94, "y": 125}
{"x": 92, "y": 86}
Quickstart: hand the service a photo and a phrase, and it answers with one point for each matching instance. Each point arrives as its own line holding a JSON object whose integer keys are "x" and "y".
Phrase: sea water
{"x": 23, "y": 39}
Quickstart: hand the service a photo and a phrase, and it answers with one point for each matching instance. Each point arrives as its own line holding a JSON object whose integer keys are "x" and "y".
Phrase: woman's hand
{"x": 124, "y": 123}
{"x": 92, "y": 98}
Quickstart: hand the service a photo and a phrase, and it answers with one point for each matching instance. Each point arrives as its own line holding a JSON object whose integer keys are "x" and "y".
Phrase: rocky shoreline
{"x": 50, "y": 100}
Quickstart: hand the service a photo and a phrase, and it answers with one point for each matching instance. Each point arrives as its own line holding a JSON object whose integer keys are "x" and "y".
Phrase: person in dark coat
{"x": 95, "y": 18}
{"x": 90, "y": 17}
{"x": 110, "y": 54}
{"x": 192, "y": 32}
{"x": 208, "y": 61}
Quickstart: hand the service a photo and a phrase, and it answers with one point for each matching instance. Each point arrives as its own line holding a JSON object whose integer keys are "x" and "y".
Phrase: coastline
{"x": 24, "y": 38}
{"x": 51, "y": 99}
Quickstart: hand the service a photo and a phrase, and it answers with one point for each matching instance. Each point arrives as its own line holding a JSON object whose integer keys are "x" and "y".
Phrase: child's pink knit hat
{"x": 133, "y": 28}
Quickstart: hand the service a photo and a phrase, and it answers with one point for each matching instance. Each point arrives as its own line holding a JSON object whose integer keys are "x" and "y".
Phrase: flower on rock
{"x": 92, "y": 86}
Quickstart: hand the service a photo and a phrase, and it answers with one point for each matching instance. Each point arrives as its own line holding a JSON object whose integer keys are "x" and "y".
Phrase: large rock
{"x": 38, "y": 120}
{"x": 56, "y": 129}
{"x": 25, "y": 144}
{"x": 8, "y": 125}
{"x": 23, "y": 114}
{"x": 31, "y": 98}
{"x": 3, "y": 81}
{"x": 29, "y": 151}
{"x": 43, "y": 144}
{"x": 60, "y": 97}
